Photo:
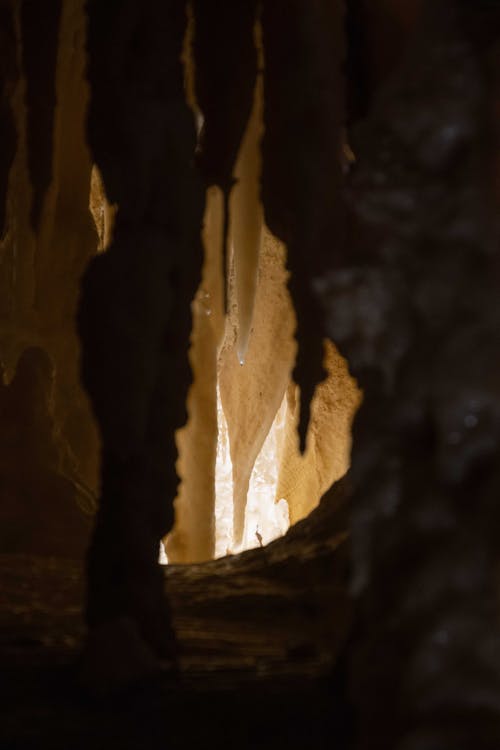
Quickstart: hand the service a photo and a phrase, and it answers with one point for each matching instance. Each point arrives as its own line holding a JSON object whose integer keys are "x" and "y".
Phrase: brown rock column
{"x": 134, "y": 316}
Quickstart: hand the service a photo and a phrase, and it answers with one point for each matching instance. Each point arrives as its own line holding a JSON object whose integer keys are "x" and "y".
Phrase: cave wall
{"x": 134, "y": 318}
{"x": 412, "y": 302}
{"x": 47, "y": 241}
{"x": 252, "y": 356}
{"x": 50, "y": 238}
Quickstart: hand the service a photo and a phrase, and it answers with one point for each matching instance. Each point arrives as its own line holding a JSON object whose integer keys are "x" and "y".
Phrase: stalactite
{"x": 224, "y": 91}
{"x": 246, "y": 221}
{"x": 40, "y": 31}
{"x": 18, "y": 241}
{"x": 8, "y": 76}
{"x": 39, "y": 282}
{"x": 358, "y": 90}
{"x": 66, "y": 240}
{"x": 301, "y": 158}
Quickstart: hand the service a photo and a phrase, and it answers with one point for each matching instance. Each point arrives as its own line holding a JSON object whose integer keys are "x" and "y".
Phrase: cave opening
{"x": 272, "y": 480}
{"x": 243, "y": 477}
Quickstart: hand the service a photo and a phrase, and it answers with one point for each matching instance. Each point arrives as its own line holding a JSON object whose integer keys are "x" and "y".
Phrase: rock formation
{"x": 255, "y": 210}
{"x": 47, "y": 240}
{"x": 413, "y": 304}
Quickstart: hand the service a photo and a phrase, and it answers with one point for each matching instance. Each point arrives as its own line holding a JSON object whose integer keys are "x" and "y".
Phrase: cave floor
{"x": 241, "y": 684}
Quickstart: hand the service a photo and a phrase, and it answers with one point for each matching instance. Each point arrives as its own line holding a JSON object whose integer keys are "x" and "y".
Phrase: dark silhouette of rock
{"x": 413, "y": 304}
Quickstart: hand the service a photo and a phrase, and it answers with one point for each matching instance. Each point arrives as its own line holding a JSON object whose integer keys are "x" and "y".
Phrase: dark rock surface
{"x": 413, "y": 303}
{"x": 258, "y": 634}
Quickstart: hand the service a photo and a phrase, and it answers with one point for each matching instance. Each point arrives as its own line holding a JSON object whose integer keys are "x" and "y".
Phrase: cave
{"x": 249, "y": 320}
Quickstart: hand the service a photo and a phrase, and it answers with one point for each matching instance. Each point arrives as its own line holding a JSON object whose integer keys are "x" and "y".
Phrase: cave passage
{"x": 280, "y": 314}
{"x": 247, "y": 459}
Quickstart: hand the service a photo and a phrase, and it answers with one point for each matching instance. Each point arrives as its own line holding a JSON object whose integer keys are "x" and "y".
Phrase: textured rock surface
{"x": 217, "y": 699}
{"x": 414, "y": 306}
{"x": 278, "y": 613}
{"x": 378, "y": 35}
{"x": 305, "y": 478}
{"x": 251, "y": 394}
{"x": 44, "y": 97}
{"x": 251, "y": 668}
